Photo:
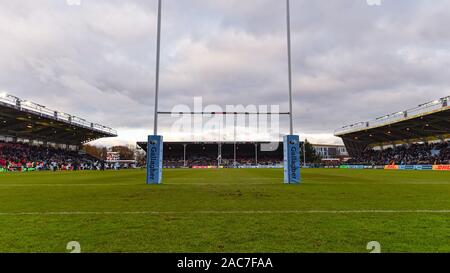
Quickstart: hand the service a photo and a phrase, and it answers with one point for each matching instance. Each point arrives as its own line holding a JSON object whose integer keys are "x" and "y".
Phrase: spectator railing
{"x": 61, "y": 116}
{"x": 395, "y": 117}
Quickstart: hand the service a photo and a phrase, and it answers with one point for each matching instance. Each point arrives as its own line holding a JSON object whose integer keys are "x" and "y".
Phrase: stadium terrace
{"x": 34, "y": 137}
{"x": 414, "y": 139}
{"x": 427, "y": 122}
{"x": 204, "y": 155}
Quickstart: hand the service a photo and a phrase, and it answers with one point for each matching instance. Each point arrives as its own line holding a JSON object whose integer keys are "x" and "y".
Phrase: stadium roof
{"x": 428, "y": 121}
{"x": 24, "y": 119}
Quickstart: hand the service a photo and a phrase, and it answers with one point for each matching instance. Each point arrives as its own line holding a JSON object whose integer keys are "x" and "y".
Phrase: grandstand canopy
{"x": 28, "y": 120}
{"x": 427, "y": 122}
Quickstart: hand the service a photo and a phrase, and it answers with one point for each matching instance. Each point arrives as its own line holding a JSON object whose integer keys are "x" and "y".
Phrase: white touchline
{"x": 62, "y": 213}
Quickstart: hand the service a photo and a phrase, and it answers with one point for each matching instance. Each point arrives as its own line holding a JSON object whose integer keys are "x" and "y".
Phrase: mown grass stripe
{"x": 62, "y": 213}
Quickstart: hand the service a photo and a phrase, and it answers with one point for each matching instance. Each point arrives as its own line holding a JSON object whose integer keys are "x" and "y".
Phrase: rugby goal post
{"x": 291, "y": 142}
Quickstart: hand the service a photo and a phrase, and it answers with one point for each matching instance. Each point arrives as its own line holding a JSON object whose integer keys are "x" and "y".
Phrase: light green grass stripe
{"x": 217, "y": 184}
{"x": 62, "y": 213}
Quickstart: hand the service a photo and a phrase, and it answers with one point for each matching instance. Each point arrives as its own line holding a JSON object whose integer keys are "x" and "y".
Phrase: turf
{"x": 231, "y": 210}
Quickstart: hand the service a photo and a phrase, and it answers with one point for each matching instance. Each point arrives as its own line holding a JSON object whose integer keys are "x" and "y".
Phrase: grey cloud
{"x": 351, "y": 61}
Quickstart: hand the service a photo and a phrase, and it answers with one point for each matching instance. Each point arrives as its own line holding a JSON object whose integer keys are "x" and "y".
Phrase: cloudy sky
{"x": 351, "y": 61}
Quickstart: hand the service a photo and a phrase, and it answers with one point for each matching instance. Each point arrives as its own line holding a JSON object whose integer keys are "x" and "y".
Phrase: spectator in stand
{"x": 213, "y": 161}
{"x": 20, "y": 157}
{"x": 414, "y": 154}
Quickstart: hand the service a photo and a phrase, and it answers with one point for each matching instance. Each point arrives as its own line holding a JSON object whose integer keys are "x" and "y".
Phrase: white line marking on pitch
{"x": 64, "y": 185}
{"x": 207, "y": 179}
{"x": 218, "y": 184}
{"x": 63, "y": 213}
{"x": 135, "y": 184}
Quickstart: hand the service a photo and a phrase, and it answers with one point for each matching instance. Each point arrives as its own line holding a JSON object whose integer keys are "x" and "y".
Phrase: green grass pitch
{"x": 230, "y": 210}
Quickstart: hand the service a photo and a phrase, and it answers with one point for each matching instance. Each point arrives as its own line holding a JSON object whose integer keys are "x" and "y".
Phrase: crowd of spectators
{"x": 23, "y": 157}
{"x": 414, "y": 154}
{"x": 206, "y": 161}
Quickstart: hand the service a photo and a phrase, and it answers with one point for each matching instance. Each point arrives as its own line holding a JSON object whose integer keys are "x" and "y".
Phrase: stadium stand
{"x": 207, "y": 154}
{"x": 20, "y": 157}
{"x": 416, "y": 136}
{"x": 34, "y": 137}
{"x": 414, "y": 154}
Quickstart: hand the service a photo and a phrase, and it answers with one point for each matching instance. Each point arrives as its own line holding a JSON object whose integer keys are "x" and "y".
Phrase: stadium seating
{"x": 23, "y": 121}
{"x": 173, "y": 162}
{"x": 205, "y": 154}
{"x": 427, "y": 154}
{"x": 428, "y": 122}
{"x": 24, "y": 157}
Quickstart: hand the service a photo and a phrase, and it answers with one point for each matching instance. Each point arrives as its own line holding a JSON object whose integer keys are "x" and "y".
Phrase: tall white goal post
{"x": 155, "y": 141}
